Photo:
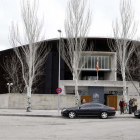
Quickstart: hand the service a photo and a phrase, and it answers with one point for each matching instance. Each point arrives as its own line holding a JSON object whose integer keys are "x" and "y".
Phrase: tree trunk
{"x": 124, "y": 84}
{"x": 124, "y": 91}
{"x": 28, "y": 99}
{"x": 77, "y": 97}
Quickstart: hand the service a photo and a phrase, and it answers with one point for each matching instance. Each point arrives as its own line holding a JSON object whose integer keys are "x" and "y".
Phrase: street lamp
{"x": 59, "y": 58}
{"x": 59, "y": 67}
{"x": 9, "y": 85}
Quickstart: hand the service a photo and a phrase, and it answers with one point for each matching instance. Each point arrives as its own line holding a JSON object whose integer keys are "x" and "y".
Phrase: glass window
{"x": 80, "y": 63}
{"x": 93, "y": 63}
{"x": 89, "y": 62}
{"x": 85, "y": 61}
{"x": 85, "y": 105}
{"x": 99, "y": 62}
{"x": 103, "y": 62}
{"x": 83, "y": 65}
{"x": 106, "y": 62}
{"x": 96, "y": 105}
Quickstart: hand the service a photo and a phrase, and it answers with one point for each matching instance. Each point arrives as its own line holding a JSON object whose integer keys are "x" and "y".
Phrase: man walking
{"x": 121, "y": 104}
{"x": 130, "y": 106}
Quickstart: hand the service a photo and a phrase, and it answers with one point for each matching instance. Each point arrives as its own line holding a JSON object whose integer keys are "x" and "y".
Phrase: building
{"x": 104, "y": 90}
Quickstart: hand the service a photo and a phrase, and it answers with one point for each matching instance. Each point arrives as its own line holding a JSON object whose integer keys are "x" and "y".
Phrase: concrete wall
{"x": 38, "y": 101}
{"x": 4, "y": 101}
{"x": 104, "y": 83}
{"x": 44, "y": 101}
{"x": 17, "y": 101}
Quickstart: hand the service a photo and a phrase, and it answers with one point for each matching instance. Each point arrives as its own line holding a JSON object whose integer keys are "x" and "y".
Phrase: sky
{"x": 104, "y": 12}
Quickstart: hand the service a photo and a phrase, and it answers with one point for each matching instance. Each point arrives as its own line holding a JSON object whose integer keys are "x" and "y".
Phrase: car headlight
{"x": 63, "y": 110}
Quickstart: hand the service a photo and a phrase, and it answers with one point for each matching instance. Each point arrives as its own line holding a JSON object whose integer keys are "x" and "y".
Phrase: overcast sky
{"x": 103, "y": 13}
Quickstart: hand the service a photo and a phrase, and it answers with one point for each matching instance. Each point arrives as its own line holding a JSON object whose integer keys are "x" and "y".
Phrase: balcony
{"x": 89, "y": 63}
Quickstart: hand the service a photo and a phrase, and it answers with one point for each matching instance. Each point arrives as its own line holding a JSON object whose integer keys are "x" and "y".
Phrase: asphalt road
{"x": 47, "y": 128}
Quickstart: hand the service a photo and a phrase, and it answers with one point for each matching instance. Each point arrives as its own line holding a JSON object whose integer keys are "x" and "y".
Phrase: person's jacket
{"x": 121, "y": 102}
{"x": 130, "y": 103}
{"x": 135, "y": 103}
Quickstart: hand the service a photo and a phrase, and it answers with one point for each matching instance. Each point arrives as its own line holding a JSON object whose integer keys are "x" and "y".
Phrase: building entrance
{"x": 97, "y": 94}
{"x": 87, "y": 98}
{"x": 111, "y": 101}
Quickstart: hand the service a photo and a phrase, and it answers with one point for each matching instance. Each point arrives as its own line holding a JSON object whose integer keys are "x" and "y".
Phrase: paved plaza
{"x": 61, "y": 128}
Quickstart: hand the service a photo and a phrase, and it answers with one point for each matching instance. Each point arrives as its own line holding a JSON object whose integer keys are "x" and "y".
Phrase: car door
{"x": 84, "y": 110}
{"x": 95, "y": 109}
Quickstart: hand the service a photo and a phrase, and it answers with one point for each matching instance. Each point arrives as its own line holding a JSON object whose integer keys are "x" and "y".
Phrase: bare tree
{"x": 77, "y": 23}
{"x": 12, "y": 67}
{"x": 124, "y": 31}
{"x": 33, "y": 55}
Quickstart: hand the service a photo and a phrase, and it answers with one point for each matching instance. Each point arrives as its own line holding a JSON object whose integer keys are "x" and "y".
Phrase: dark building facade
{"x": 49, "y": 80}
{"x": 89, "y": 88}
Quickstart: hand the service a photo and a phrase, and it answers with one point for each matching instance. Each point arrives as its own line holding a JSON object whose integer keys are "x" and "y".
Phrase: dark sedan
{"x": 89, "y": 109}
{"x": 137, "y": 113}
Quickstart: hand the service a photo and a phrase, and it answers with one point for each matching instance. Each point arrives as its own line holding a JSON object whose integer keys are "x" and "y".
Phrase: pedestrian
{"x": 130, "y": 106}
{"x": 84, "y": 101}
{"x": 121, "y": 104}
{"x": 135, "y": 104}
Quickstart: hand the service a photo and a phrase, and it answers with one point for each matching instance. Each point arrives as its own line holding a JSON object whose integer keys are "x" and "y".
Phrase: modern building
{"x": 104, "y": 90}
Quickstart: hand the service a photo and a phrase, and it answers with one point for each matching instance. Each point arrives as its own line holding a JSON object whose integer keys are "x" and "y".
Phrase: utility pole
{"x": 59, "y": 70}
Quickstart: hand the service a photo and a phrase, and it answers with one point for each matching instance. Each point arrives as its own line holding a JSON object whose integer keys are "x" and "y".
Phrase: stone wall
{"x": 44, "y": 101}
{"x": 4, "y": 101}
{"x": 38, "y": 101}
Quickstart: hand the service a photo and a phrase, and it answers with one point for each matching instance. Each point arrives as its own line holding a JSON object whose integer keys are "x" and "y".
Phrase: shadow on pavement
{"x": 88, "y": 117}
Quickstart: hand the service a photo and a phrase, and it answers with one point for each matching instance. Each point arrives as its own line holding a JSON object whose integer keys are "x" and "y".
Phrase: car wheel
{"x": 104, "y": 115}
{"x": 72, "y": 114}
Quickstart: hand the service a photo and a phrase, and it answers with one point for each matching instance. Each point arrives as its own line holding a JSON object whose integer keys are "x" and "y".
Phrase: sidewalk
{"x": 33, "y": 113}
{"x": 46, "y": 113}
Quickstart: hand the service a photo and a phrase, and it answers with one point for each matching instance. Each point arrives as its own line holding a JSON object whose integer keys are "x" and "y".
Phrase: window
{"x": 85, "y": 106}
{"x": 86, "y": 62}
{"x": 83, "y": 61}
{"x": 103, "y": 62}
{"x": 96, "y": 105}
{"x": 90, "y": 62}
{"x": 93, "y": 62}
{"x": 99, "y": 62}
{"x": 106, "y": 62}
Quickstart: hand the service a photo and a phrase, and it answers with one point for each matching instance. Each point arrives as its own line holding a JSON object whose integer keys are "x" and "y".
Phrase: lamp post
{"x": 59, "y": 68}
{"x": 59, "y": 58}
{"x": 9, "y": 85}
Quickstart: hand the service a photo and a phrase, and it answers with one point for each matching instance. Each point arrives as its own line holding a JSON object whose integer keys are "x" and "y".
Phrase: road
{"x": 52, "y": 128}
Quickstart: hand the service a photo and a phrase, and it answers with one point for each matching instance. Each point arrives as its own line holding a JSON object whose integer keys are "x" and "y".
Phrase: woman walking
{"x": 135, "y": 104}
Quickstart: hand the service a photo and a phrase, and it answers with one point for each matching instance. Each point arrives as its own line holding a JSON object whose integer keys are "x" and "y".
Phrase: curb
{"x": 124, "y": 116}
{"x": 29, "y": 115}
{"x": 57, "y": 116}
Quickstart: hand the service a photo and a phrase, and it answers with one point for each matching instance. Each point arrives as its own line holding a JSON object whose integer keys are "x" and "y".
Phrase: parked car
{"x": 137, "y": 113}
{"x": 89, "y": 109}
